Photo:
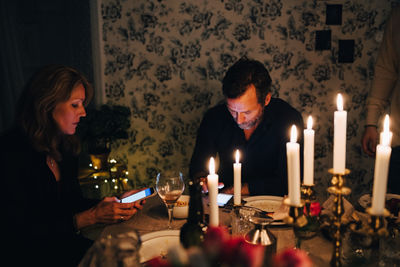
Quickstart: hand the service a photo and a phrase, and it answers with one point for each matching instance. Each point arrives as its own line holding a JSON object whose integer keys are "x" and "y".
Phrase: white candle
{"x": 383, "y": 151}
{"x": 237, "y": 180}
{"x": 212, "y": 182}
{"x": 339, "y": 138}
{"x": 293, "y": 167}
{"x": 309, "y": 153}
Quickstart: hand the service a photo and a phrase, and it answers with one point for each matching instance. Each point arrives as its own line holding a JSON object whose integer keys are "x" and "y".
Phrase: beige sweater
{"x": 385, "y": 88}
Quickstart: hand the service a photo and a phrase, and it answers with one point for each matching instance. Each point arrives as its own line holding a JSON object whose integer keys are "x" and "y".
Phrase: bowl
{"x": 181, "y": 208}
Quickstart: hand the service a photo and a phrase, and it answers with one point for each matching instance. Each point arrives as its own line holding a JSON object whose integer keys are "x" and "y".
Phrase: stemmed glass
{"x": 169, "y": 186}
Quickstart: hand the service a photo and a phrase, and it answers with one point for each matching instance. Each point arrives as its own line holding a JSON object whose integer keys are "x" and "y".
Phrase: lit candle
{"x": 237, "y": 180}
{"x": 212, "y": 182}
{"x": 383, "y": 151}
{"x": 293, "y": 167}
{"x": 309, "y": 153}
{"x": 386, "y": 131}
{"x": 339, "y": 138}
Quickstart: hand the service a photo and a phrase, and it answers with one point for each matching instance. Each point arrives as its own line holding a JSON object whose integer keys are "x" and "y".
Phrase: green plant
{"x": 102, "y": 126}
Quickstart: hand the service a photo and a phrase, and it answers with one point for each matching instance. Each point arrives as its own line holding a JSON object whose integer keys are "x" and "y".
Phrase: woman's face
{"x": 67, "y": 114}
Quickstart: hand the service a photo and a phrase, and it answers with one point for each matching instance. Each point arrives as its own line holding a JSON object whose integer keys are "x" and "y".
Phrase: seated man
{"x": 253, "y": 122}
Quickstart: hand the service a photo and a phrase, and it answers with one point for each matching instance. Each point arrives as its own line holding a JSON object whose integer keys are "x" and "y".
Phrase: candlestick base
{"x": 296, "y": 219}
{"x": 338, "y": 190}
{"x": 377, "y": 223}
{"x": 310, "y": 207}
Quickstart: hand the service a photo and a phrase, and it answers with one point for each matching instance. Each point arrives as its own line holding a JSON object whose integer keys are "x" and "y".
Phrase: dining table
{"x": 153, "y": 217}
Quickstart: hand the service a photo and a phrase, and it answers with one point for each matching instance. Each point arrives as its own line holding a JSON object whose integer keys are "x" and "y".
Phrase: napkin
{"x": 281, "y": 213}
{"x": 327, "y": 209}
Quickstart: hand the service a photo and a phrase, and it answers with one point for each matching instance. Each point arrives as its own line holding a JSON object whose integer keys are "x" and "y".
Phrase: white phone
{"x": 148, "y": 192}
{"x": 223, "y": 199}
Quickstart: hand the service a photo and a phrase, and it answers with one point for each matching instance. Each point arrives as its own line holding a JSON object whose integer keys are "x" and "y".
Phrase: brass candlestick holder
{"x": 296, "y": 218}
{"x": 377, "y": 224}
{"x": 365, "y": 238}
{"x": 338, "y": 190}
{"x": 308, "y": 194}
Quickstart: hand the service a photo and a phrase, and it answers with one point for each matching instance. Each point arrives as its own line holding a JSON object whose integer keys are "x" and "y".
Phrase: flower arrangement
{"x": 221, "y": 249}
{"x": 102, "y": 126}
{"x": 312, "y": 211}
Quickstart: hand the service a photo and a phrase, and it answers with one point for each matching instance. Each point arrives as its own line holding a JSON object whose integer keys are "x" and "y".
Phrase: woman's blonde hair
{"x": 48, "y": 87}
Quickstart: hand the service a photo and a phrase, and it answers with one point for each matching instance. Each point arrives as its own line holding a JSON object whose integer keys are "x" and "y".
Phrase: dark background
{"x": 37, "y": 33}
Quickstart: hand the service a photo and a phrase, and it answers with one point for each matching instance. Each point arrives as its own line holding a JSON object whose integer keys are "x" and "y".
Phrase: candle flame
{"x": 293, "y": 134}
{"x": 309, "y": 122}
{"x": 237, "y": 155}
{"x": 339, "y": 102}
{"x": 386, "y": 132}
{"x": 386, "y": 124}
{"x": 212, "y": 166}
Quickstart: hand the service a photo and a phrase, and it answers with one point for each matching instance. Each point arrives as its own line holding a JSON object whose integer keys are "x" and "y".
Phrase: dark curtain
{"x": 37, "y": 33}
{"x": 11, "y": 73}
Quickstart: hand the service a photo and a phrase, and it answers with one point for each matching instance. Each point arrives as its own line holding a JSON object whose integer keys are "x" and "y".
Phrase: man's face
{"x": 246, "y": 110}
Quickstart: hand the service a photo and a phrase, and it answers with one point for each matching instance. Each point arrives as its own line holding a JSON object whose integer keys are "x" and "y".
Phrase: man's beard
{"x": 251, "y": 124}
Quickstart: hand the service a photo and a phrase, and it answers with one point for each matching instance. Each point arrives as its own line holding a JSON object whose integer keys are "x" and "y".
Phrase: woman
{"x": 38, "y": 157}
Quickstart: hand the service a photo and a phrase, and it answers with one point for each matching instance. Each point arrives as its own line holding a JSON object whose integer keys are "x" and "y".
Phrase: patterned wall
{"x": 165, "y": 60}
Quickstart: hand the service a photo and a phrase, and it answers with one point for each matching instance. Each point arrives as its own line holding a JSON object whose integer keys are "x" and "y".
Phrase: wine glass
{"x": 169, "y": 186}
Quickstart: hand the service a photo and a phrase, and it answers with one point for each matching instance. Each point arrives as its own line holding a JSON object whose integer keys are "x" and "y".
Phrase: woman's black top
{"x": 39, "y": 210}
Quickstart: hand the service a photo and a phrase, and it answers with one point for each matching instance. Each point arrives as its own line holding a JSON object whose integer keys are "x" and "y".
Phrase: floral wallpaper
{"x": 165, "y": 61}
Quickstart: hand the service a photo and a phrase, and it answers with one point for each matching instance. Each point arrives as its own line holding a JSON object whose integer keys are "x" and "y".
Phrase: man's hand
{"x": 369, "y": 140}
{"x": 244, "y": 191}
{"x": 205, "y": 187}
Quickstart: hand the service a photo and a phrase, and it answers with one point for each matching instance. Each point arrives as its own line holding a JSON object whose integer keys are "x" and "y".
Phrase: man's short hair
{"x": 244, "y": 73}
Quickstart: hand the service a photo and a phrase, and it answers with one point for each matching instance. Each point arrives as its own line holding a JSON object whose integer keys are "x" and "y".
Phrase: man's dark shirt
{"x": 263, "y": 156}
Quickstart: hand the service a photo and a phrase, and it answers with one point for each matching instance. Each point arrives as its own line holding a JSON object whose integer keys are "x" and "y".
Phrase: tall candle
{"x": 293, "y": 167}
{"x": 383, "y": 151}
{"x": 212, "y": 182}
{"x": 309, "y": 153}
{"x": 237, "y": 180}
{"x": 339, "y": 138}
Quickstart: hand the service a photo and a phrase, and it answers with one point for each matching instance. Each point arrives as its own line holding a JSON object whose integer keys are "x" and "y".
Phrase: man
{"x": 253, "y": 122}
{"x": 385, "y": 90}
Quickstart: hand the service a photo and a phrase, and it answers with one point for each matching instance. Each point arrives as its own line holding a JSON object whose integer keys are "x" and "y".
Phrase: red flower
{"x": 292, "y": 258}
{"x": 221, "y": 247}
{"x": 157, "y": 262}
{"x": 237, "y": 252}
{"x": 315, "y": 209}
{"x": 214, "y": 239}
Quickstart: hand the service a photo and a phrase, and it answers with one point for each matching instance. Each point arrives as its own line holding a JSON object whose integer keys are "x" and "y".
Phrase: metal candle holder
{"x": 296, "y": 218}
{"x": 308, "y": 194}
{"x": 338, "y": 190}
{"x": 377, "y": 226}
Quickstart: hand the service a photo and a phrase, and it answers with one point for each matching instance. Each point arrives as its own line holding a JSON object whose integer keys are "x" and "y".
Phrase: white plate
{"x": 265, "y": 203}
{"x": 157, "y": 244}
{"x": 365, "y": 200}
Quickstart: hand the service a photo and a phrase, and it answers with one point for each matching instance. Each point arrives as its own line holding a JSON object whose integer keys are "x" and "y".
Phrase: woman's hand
{"x": 109, "y": 210}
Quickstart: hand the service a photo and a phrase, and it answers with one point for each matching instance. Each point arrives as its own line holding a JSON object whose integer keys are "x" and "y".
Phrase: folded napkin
{"x": 281, "y": 213}
{"x": 327, "y": 209}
